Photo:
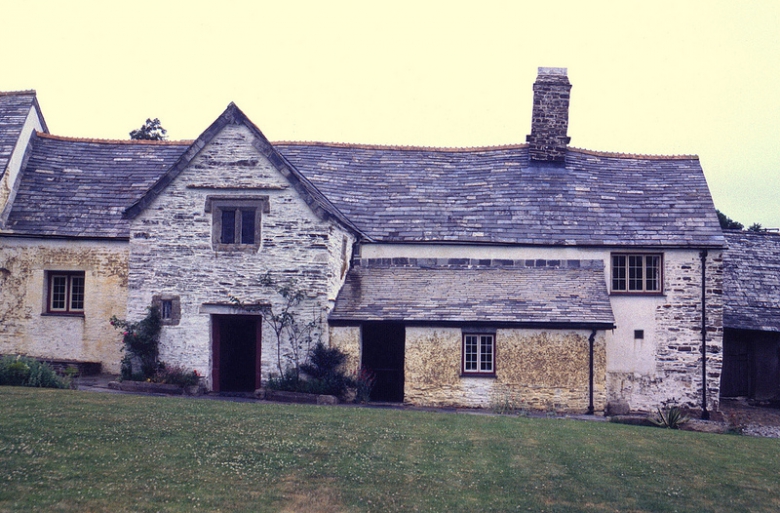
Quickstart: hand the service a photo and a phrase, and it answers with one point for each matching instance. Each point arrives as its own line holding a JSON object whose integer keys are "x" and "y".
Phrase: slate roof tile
{"x": 504, "y": 292}
{"x": 495, "y": 195}
{"x": 751, "y": 284}
{"x": 81, "y": 187}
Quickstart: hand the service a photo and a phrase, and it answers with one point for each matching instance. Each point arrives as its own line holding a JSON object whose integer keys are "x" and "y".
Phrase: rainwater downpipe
{"x": 705, "y": 415}
{"x": 591, "y": 339}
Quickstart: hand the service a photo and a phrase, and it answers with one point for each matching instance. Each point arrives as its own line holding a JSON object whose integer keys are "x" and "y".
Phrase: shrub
{"x": 176, "y": 375}
{"x": 29, "y": 372}
{"x": 669, "y": 416}
{"x": 322, "y": 375}
{"x": 141, "y": 344}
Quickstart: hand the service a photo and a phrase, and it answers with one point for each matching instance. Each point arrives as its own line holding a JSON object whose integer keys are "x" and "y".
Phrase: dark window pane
{"x": 635, "y": 266}
{"x": 77, "y": 293}
{"x": 58, "y": 287}
{"x": 228, "y": 227}
{"x": 470, "y": 363}
{"x": 653, "y": 268}
{"x": 619, "y": 272}
{"x": 248, "y": 226}
{"x": 166, "y": 309}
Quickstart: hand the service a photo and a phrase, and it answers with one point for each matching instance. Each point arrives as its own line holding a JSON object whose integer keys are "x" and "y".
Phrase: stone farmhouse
{"x": 567, "y": 278}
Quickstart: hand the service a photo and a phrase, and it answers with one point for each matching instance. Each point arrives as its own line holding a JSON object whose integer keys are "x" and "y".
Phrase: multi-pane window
{"x": 236, "y": 221}
{"x": 636, "y": 272}
{"x": 66, "y": 292}
{"x": 479, "y": 355}
{"x": 238, "y": 225}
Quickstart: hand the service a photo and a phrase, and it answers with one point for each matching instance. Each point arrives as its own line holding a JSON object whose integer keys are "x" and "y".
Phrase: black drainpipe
{"x": 591, "y": 339}
{"x": 705, "y": 415}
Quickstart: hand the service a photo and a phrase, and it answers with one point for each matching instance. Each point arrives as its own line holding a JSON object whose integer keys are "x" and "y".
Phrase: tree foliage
{"x": 152, "y": 130}
{"x": 727, "y": 223}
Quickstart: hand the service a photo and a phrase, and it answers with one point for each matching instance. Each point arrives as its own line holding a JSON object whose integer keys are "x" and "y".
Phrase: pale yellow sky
{"x": 696, "y": 77}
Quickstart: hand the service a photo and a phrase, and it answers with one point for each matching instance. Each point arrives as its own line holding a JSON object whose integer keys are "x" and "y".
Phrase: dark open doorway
{"x": 236, "y": 352}
{"x": 751, "y": 364}
{"x": 383, "y": 354}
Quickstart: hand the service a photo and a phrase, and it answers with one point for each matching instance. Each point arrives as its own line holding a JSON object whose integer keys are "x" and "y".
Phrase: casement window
{"x": 236, "y": 221}
{"x": 65, "y": 292}
{"x": 238, "y": 225}
{"x": 479, "y": 354}
{"x": 637, "y": 273}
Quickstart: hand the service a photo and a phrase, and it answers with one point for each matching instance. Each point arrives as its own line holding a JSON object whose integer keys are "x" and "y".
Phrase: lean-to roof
{"x": 751, "y": 284}
{"x": 563, "y": 293}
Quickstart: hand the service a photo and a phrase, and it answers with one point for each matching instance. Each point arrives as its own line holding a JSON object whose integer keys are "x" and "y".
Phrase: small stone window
{"x": 65, "y": 292}
{"x": 236, "y": 221}
{"x": 169, "y": 307}
{"x": 637, "y": 273}
{"x": 479, "y": 354}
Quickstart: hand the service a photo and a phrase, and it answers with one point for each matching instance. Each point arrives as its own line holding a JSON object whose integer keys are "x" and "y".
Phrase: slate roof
{"x": 751, "y": 288}
{"x": 14, "y": 107}
{"x": 529, "y": 293}
{"x": 74, "y": 187}
{"x": 496, "y": 195}
{"x": 233, "y": 115}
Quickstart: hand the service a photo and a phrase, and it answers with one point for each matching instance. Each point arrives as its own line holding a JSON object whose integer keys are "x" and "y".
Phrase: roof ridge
{"x": 466, "y": 149}
{"x": 639, "y": 156}
{"x": 19, "y": 93}
{"x": 113, "y": 141}
{"x": 364, "y": 146}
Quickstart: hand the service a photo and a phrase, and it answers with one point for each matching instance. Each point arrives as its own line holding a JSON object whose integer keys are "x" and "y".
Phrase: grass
{"x": 64, "y": 450}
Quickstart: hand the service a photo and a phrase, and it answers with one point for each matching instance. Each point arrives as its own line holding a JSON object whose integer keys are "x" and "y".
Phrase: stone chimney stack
{"x": 550, "y": 121}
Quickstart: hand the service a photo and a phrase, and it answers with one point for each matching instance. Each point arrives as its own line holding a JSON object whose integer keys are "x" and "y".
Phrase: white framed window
{"x": 637, "y": 273}
{"x": 479, "y": 354}
{"x": 65, "y": 292}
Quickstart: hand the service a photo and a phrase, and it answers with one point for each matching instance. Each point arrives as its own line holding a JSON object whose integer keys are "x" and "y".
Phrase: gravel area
{"x": 753, "y": 420}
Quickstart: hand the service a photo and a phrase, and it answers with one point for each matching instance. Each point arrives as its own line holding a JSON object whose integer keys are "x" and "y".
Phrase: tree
{"x": 152, "y": 130}
{"x": 726, "y": 223}
{"x": 756, "y": 227}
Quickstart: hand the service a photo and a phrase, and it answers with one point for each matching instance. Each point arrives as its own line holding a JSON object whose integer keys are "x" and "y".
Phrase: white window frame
{"x": 484, "y": 362}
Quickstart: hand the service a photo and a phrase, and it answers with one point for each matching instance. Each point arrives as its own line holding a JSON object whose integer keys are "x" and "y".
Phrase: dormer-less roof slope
{"x": 496, "y": 195}
{"x": 14, "y": 108}
{"x": 751, "y": 284}
{"x": 79, "y": 188}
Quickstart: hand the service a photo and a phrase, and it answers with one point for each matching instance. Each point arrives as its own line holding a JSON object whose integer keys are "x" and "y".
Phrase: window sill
{"x": 632, "y": 293}
{"x": 236, "y": 248}
{"x": 63, "y": 314}
{"x": 478, "y": 375}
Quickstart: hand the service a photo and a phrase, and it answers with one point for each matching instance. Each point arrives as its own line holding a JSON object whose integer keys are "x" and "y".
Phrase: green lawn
{"x": 63, "y": 450}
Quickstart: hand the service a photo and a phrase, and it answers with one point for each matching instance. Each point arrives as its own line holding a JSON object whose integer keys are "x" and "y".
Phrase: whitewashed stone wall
{"x": 25, "y": 328}
{"x": 9, "y": 182}
{"x": 666, "y": 365}
{"x": 171, "y": 250}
